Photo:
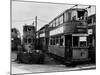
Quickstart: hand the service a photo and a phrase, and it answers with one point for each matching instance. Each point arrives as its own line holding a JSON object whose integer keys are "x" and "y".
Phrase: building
{"x": 92, "y": 36}
{"x": 29, "y": 37}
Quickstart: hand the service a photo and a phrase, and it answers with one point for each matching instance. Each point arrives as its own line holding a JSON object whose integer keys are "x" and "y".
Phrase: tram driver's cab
{"x": 77, "y": 48}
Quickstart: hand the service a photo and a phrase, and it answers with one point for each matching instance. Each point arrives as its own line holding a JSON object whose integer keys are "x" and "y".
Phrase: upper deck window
{"x": 54, "y": 23}
{"x": 57, "y": 22}
{"x": 61, "y": 19}
{"x": 50, "y": 25}
{"x": 65, "y": 17}
{"x": 80, "y": 15}
{"x": 69, "y": 16}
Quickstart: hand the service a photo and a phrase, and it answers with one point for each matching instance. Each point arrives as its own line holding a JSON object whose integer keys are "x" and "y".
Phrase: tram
{"x": 43, "y": 40}
{"x": 68, "y": 37}
{"x": 15, "y": 40}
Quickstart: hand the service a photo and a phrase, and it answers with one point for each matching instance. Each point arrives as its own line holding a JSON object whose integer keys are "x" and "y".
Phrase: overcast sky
{"x": 25, "y": 12}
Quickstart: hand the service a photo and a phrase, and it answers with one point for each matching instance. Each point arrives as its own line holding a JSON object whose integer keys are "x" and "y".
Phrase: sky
{"x": 25, "y": 12}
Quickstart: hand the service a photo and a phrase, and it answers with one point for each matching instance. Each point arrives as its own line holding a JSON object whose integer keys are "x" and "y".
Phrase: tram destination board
{"x": 81, "y": 30}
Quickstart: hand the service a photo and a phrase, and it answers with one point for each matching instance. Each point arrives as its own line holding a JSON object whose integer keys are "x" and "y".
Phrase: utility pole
{"x": 35, "y": 31}
{"x": 36, "y": 23}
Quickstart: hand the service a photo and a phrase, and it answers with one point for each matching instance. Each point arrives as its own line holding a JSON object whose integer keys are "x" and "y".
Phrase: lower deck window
{"x": 58, "y": 41}
{"x": 82, "y": 41}
{"x": 82, "y": 44}
{"x": 53, "y": 41}
{"x": 79, "y": 41}
{"x": 50, "y": 42}
{"x": 61, "y": 42}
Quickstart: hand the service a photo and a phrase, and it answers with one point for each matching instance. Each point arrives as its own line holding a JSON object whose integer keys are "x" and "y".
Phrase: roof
{"x": 67, "y": 11}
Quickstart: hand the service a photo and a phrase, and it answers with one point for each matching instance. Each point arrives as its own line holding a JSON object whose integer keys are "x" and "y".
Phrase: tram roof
{"x": 43, "y": 27}
{"x": 28, "y": 25}
{"x": 67, "y": 11}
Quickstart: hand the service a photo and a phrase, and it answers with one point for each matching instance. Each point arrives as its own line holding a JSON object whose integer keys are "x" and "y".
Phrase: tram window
{"x": 81, "y": 15}
{"x": 57, "y": 41}
{"x": 69, "y": 16}
{"x": 73, "y": 15}
{"x": 57, "y": 22}
{"x": 61, "y": 19}
{"x": 94, "y": 19}
{"x": 54, "y": 24}
{"x": 50, "y": 25}
{"x": 82, "y": 41}
{"x": 89, "y": 21}
{"x": 61, "y": 42}
{"x": 53, "y": 41}
{"x": 29, "y": 40}
{"x": 75, "y": 41}
{"x": 65, "y": 17}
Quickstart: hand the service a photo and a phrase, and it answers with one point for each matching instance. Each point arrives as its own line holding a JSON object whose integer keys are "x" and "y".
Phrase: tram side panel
{"x": 58, "y": 48}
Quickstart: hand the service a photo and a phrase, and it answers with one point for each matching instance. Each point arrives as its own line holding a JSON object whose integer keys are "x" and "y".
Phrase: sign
{"x": 81, "y": 30}
{"x": 42, "y": 35}
{"x": 57, "y": 31}
{"x": 90, "y": 31}
{"x": 82, "y": 38}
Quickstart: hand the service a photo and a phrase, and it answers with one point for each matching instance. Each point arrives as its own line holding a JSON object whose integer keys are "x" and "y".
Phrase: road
{"x": 49, "y": 66}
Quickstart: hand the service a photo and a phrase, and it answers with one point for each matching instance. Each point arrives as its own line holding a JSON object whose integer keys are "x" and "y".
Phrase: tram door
{"x": 68, "y": 45}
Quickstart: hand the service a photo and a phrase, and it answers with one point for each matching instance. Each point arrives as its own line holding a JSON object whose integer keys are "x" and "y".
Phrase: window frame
{"x": 61, "y": 19}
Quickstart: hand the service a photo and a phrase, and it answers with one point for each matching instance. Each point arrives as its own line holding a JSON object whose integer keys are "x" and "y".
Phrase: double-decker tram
{"x": 43, "y": 38}
{"x": 68, "y": 37}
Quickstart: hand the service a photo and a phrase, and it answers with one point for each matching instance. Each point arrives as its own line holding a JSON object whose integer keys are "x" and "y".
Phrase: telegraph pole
{"x": 36, "y": 23}
{"x": 35, "y": 31}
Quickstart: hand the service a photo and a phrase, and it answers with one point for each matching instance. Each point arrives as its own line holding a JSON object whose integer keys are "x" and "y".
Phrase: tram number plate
{"x": 80, "y": 54}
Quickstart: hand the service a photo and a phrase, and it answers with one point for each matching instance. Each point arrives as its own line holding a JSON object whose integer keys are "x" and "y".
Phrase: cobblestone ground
{"x": 50, "y": 65}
